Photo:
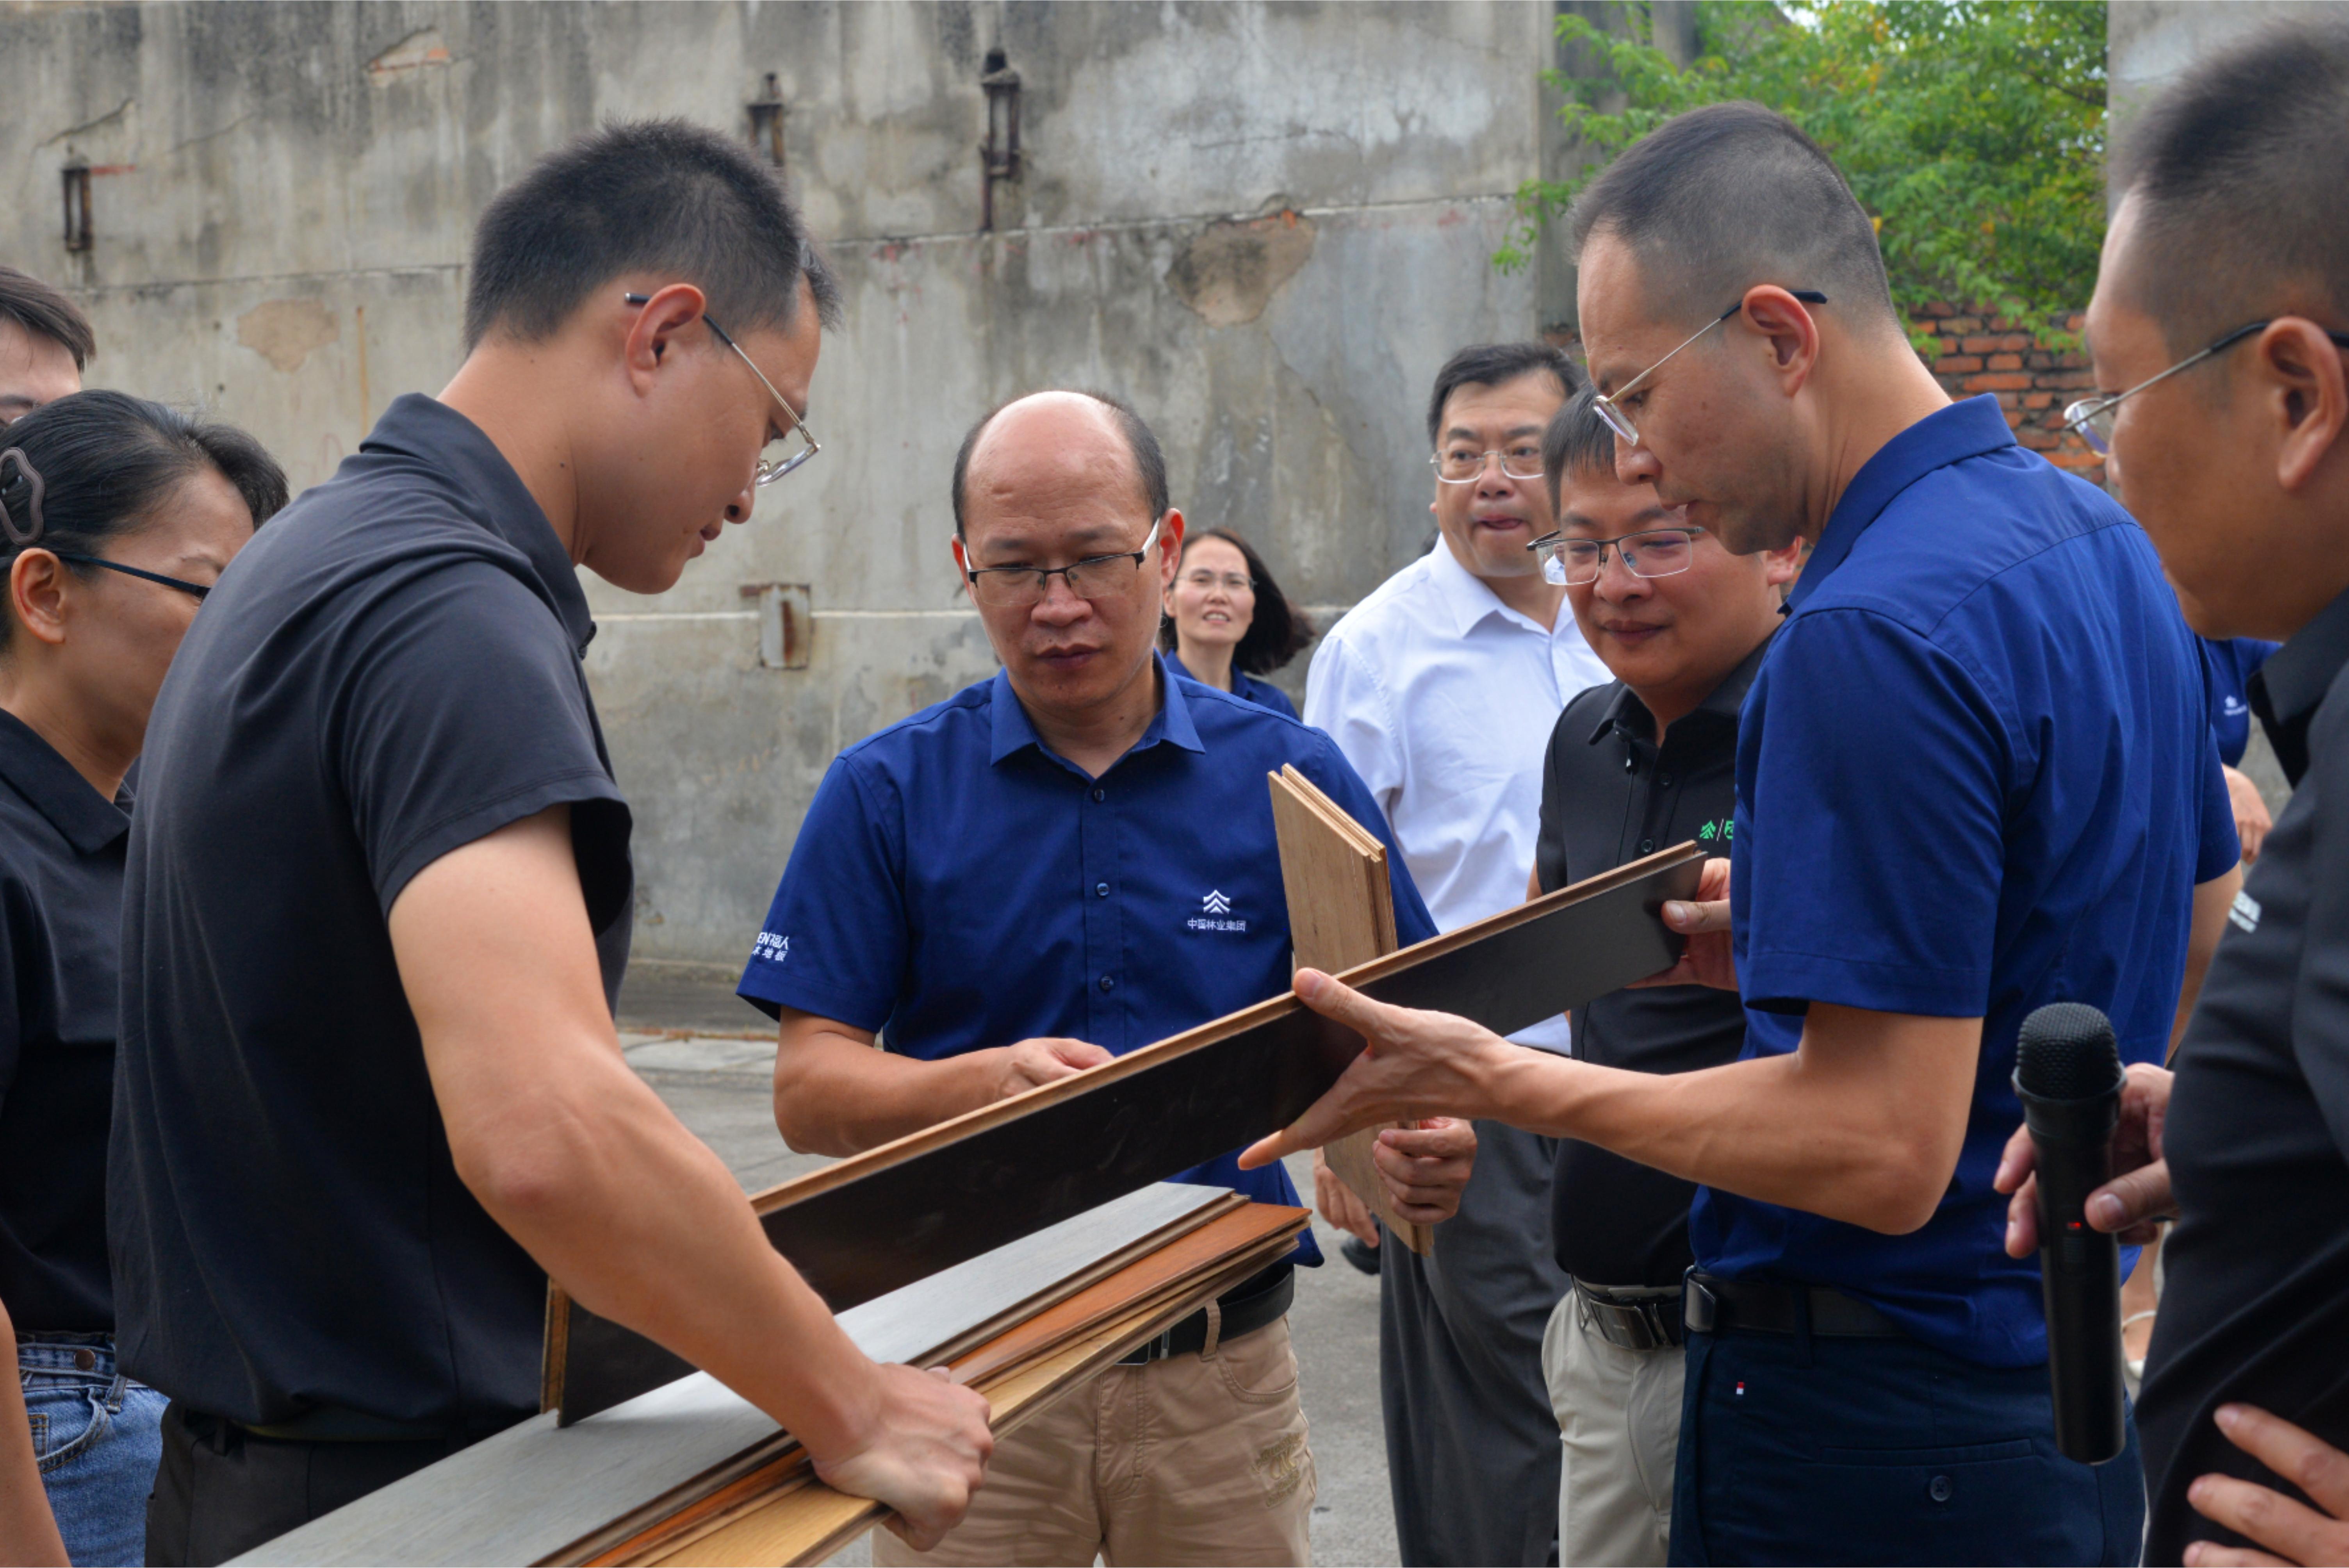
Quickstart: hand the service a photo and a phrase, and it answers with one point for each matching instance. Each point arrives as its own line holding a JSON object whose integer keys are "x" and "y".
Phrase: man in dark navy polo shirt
{"x": 1648, "y": 760}
{"x": 369, "y": 1093}
{"x": 1974, "y": 775}
{"x": 1055, "y": 867}
{"x": 2219, "y": 328}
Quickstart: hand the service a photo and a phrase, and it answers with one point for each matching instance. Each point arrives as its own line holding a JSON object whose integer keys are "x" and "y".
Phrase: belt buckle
{"x": 1699, "y": 1306}
{"x": 1156, "y": 1348}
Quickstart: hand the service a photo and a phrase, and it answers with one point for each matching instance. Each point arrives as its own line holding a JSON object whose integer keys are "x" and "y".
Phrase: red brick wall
{"x": 2031, "y": 379}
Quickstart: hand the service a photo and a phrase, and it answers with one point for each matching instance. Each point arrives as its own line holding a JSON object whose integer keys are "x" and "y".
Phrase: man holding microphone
{"x": 2219, "y": 318}
{"x": 1973, "y": 776}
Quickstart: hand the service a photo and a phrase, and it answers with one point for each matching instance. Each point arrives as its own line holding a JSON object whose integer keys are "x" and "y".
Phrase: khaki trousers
{"x": 1618, "y": 1420}
{"x": 1196, "y": 1459}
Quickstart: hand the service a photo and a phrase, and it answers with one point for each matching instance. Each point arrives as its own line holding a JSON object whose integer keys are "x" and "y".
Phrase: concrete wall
{"x": 1265, "y": 223}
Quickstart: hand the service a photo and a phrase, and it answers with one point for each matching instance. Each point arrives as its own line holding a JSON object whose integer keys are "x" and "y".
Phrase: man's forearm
{"x": 1771, "y": 1128}
{"x": 837, "y": 1095}
{"x": 643, "y": 1224}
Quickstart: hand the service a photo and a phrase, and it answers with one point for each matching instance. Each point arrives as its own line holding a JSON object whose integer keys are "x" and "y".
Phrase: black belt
{"x": 1255, "y": 1303}
{"x": 1641, "y": 1319}
{"x": 1711, "y": 1305}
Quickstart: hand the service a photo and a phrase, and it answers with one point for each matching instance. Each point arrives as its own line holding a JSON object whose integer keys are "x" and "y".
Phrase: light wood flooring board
{"x": 1340, "y": 915}
{"x": 534, "y": 1488}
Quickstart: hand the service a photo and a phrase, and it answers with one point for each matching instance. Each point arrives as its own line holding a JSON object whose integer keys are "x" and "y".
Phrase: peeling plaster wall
{"x": 282, "y": 194}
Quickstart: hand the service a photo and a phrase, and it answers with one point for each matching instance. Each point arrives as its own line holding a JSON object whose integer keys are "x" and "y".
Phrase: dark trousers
{"x": 1885, "y": 1451}
{"x": 221, "y": 1492}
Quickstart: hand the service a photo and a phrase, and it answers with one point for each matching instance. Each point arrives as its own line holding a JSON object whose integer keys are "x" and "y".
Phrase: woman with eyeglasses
{"x": 1227, "y": 622}
{"x": 117, "y": 515}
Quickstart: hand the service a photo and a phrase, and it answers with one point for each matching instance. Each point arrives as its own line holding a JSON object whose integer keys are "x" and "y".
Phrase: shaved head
{"x": 1722, "y": 198}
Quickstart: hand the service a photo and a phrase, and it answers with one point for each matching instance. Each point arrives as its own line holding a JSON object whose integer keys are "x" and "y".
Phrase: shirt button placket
{"x": 1097, "y": 838}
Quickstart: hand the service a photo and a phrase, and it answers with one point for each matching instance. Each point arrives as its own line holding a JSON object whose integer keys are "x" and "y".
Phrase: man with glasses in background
{"x": 1974, "y": 775}
{"x": 1054, "y": 866}
{"x": 1441, "y": 688}
{"x": 1644, "y": 762}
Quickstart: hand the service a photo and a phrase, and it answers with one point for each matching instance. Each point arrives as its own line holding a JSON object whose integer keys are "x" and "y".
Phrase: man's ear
{"x": 1782, "y": 565}
{"x": 2304, "y": 395}
{"x": 656, "y": 329}
{"x": 1170, "y": 549}
{"x": 1776, "y": 317}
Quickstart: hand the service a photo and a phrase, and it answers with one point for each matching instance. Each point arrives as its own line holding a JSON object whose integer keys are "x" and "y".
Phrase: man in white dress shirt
{"x": 1441, "y": 688}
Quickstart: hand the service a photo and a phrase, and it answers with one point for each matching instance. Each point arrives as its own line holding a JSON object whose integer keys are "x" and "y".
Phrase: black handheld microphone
{"x": 2067, "y": 1071}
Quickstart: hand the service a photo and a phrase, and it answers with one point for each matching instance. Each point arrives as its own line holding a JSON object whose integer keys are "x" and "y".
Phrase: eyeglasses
{"x": 1609, "y": 408}
{"x": 198, "y": 589}
{"x": 1464, "y": 468}
{"x": 1656, "y": 552}
{"x": 2093, "y": 417}
{"x": 1229, "y": 581}
{"x": 780, "y": 456}
{"x": 1094, "y": 577}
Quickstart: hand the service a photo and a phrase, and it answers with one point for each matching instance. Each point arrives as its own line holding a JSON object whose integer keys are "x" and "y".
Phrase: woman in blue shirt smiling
{"x": 1227, "y": 621}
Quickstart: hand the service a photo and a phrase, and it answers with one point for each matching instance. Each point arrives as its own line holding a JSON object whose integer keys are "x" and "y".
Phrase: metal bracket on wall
{"x": 998, "y": 155}
{"x": 767, "y": 112}
{"x": 786, "y": 624}
{"x": 76, "y": 194}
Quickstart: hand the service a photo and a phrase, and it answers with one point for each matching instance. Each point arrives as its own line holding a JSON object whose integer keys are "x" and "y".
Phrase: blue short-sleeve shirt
{"x": 1264, "y": 694}
{"x": 956, "y": 885}
{"x": 2227, "y": 665}
{"x": 1974, "y": 775}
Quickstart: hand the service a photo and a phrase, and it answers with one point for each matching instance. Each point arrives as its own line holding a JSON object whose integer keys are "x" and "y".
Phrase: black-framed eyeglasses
{"x": 780, "y": 456}
{"x": 198, "y": 589}
{"x": 1609, "y": 409}
{"x": 2093, "y": 417}
{"x": 1094, "y": 577}
{"x": 1651, "y": 553}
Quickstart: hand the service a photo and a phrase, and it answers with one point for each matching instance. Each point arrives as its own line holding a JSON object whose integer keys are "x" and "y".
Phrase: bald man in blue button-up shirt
{"x": 1054, "y": 866}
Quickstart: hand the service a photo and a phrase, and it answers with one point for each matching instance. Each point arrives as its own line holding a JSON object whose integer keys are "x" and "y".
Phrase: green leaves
{"x": 1972, "y": 131}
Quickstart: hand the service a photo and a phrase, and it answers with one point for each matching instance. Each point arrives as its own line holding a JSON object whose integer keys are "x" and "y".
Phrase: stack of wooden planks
{"x": 690, "y": 1472}
{"x": 1340, "y": 915}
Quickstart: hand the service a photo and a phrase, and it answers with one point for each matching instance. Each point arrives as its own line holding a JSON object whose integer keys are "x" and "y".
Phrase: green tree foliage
{"x": 1972, "y": 131}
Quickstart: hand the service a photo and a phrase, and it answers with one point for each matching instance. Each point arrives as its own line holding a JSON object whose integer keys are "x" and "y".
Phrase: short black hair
{"x": 655, "y": 195}
{"x": 1495, "y": 365}
{"x": 105, "y": 461}
{"x": 1149, "y": 461}
{"x": 2239, "y": 169}
{"x": 1725, "y": 197}
{"x": 45, "y": 311}
{"x": 1576, "y": 442}
{"x": 1278, "y": 632}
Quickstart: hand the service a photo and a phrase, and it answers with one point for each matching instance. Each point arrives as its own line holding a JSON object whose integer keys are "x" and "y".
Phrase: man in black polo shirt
{"x": 370, "y": 1094}
{"x": 2220, "y": 317}
{"x": 1646, "y": 761}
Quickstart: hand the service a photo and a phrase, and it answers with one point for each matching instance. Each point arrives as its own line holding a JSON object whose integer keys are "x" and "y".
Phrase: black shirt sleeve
{"x": 2320, "y": 1010}
{"x": 459, "y": 716}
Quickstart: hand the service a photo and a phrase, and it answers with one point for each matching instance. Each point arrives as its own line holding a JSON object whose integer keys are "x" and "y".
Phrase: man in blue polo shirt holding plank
{"x": 1052, "y": 868}
{"x": 1974, "y": 775}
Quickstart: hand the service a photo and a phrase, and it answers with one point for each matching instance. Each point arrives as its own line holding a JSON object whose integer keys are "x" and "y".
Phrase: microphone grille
{"x": 2066, "y": 1051}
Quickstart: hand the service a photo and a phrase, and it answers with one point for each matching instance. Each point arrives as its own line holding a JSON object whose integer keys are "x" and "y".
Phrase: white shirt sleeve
{"x": 1345, "y": 700}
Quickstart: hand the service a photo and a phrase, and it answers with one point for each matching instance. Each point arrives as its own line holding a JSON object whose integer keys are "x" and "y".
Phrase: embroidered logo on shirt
{"x": 771, "y": 946}
{"x": 1723, "y": 830}
{"x": 1212, "y": 906}
{"x": 2245, "y": 913}
{"x": 2234, "y": 706}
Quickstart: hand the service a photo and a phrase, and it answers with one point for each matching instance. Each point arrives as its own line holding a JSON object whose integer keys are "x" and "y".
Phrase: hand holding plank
{"x": 927, "y": 1452}
{"x": 1417, "y": 1063}
{"x": 1425, "y": 1168}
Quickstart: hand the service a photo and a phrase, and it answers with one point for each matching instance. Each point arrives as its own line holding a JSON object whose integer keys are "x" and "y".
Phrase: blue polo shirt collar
{"x": 1012, "y": 730}
{"x": 1950, "y": 435}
